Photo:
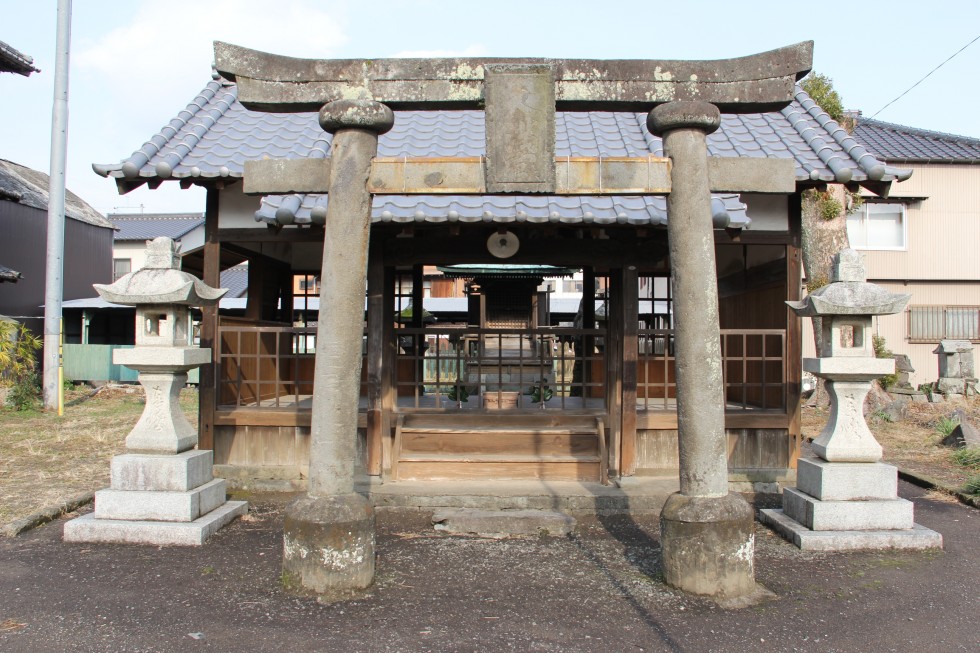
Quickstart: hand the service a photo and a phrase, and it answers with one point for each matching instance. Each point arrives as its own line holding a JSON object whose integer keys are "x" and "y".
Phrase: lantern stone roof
{"x": 160, "y": 281}
{"x": 849, "y": 293}
{"x": 211, "y": 139}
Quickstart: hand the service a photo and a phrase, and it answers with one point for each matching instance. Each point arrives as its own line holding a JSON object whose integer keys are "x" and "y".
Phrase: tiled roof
{"x": 30, "y": 188}
{"x": 215, "y": 135}
{"x": 901, "y": 144}
{"x": 147, "y": 226}
{"x": 235, "y": 279}
{"x": 6, "y": 274}
{"x": 12, "y": 61}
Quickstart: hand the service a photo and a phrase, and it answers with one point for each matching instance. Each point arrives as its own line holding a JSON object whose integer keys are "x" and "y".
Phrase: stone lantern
{"x": 846, "y": 498}
{"x": 162, "y": 490}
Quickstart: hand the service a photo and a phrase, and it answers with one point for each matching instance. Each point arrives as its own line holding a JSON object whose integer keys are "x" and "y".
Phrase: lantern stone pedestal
{"x": 845, "y": 498}
{"x": 162, "y": 492}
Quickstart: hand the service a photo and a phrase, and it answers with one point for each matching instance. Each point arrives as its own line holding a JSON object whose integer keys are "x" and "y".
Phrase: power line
{"x": 927, "y": 75}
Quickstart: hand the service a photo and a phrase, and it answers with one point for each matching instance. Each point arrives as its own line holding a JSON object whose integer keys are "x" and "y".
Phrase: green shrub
{"x": 882, "y": 351}
{"x": 18, "y": 365}
{"x": 972, "y": 486}
{"x": 945, "y": 425}
{"x": 967, "y": 457}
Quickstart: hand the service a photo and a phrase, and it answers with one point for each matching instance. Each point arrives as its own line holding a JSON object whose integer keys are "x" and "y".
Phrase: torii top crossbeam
{"x": 759, "y": 82}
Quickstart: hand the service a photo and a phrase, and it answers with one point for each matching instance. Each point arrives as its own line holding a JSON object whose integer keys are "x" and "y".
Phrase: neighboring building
{"x": 924, "y": 239}
{"x": 24, "y": 226}
{"x": 612, "y": 374}
{"x": 134, "y": 230}
{"x": 12, "y": 61}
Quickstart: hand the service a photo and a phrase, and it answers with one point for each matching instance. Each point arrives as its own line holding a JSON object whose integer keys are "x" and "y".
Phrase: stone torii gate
{"x": 707, "y": 532}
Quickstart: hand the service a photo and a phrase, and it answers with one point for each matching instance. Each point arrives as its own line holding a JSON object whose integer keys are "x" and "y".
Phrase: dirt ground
{"x": 599, "y": 589}
{"x": 46, "y": 460}
{"x": 913, "y": 444}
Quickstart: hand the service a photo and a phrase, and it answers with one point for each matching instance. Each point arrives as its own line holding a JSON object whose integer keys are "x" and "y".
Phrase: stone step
{"x": 500, "y": 441}
{"x": 502, "y": 523}
{"x": 509, "y": 469}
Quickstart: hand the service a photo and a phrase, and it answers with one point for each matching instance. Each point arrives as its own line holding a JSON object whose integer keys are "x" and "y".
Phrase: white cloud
{"x": 168, "y": 46}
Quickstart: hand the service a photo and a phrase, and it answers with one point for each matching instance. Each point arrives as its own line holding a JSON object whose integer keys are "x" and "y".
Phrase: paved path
{"x": 596, "y": 591}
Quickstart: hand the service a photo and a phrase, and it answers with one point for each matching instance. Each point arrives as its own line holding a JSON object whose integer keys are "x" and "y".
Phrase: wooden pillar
{"x": 794, "y": 330}
{"x": 375, "y": 357}
{"x": 389, "y": 370}
{"x": 210, "y": 338}
{"x": 614, "y": 362}
{"x": 588, "y": 322}
{"x": 631, "y": 320}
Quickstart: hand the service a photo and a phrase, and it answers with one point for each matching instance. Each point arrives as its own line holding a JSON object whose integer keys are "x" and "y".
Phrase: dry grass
{"x": 912, "y": 443}
{"x": 46, "y": 459}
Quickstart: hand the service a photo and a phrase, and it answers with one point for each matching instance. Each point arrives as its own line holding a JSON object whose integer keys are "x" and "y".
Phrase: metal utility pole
{"x": 54, "y": 268}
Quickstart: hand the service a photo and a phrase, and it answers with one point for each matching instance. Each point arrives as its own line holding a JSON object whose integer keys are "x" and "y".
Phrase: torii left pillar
{"x": 706, "y": 532}
{"x": 328, "y": 539}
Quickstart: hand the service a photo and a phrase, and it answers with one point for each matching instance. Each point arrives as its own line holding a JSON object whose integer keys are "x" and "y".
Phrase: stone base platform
{"x": 917, "y": 537}
{"x": 88, "y": 528}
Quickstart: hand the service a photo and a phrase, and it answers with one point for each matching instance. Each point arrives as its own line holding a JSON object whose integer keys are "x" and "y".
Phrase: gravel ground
{"x": 598, "y": 590}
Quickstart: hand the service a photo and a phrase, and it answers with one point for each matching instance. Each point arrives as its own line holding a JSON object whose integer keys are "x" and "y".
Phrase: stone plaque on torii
{"x": 707, "y": 532}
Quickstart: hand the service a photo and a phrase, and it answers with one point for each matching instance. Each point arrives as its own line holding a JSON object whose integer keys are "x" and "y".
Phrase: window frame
{"x": 943, "y": 319}
{"x": 863, "y": 211}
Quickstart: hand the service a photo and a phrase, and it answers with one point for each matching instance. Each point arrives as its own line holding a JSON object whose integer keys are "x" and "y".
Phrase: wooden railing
{"x": 488, "y": 368}
{"x": 472, "y": 368}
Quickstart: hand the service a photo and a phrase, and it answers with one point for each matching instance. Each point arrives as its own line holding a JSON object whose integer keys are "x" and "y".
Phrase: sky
{"x": 136, "y": 63}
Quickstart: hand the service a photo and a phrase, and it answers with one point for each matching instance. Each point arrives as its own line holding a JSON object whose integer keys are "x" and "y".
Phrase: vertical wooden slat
{"x": 794, "y": 332}
{"x": 388, "y": 387}
{"x": 207, "y": 391}
{"x": 614, "y": 362}
{"x": 630, "y": 321}
{"x": 375, "y": 356}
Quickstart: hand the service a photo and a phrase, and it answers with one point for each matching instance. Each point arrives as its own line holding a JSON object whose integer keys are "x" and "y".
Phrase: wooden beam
{"x": 584, "y": 175}
{"x": 375, "y": 358}
{"x": 794, "y": 331}
{"x": 758, "y": 82}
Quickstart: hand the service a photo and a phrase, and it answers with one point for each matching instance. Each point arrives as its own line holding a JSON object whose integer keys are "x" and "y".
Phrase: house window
{"x": 877, "y": 225}
{"x": 935, "y": 323}
{"x": 120, "y": 267}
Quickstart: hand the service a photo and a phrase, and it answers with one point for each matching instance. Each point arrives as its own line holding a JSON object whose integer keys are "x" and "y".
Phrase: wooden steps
{"x": 506, "y": 446}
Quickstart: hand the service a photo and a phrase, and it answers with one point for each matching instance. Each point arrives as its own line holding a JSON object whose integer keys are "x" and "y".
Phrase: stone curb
{"x": 50, "y": 513}
{"x": 933, "y": 484}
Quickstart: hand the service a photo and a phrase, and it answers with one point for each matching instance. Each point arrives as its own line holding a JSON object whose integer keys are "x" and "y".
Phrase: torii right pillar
{"x": 706, "y": 532}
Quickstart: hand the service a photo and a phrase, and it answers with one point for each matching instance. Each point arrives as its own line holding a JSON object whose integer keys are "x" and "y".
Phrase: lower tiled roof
{"x": 901, "y": 144}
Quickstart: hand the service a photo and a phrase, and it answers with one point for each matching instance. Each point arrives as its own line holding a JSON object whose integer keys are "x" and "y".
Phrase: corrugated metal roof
{"x": 147, "y": 226}
{"x": 215, "y": 135}
{"x": 901, "y": 144}
{"x": 30, "y": 188}
{"x": 13, "y": 61}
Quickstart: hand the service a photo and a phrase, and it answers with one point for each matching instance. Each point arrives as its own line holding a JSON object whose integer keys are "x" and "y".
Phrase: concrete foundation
{"x": 708, "y": 545}
{"x": 328, "y": 545}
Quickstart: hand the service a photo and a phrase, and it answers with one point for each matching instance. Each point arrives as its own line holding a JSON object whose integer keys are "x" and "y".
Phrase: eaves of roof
{"x": 6, "y": 274}
{"x": 13, "y": 61}
{"x": 30, "y": 187}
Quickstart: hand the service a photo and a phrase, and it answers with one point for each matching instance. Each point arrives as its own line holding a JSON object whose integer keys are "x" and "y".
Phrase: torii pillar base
{"x": 708, "y": 545}
{"x": 328, "y": 546}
